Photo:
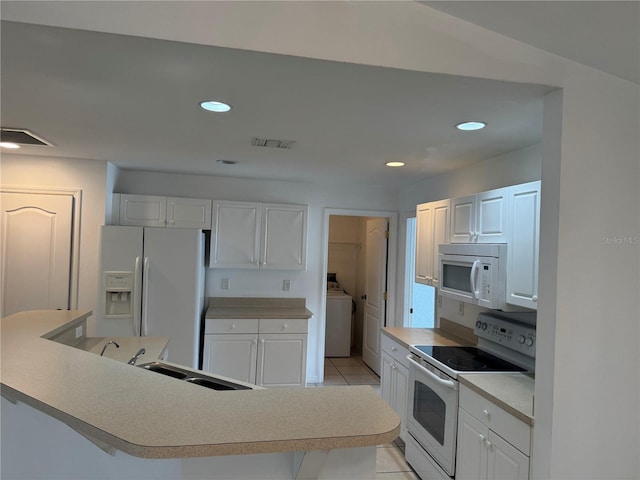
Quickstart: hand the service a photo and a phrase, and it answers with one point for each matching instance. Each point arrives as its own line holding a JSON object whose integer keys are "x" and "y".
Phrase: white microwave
{"x": 474, "y": 273}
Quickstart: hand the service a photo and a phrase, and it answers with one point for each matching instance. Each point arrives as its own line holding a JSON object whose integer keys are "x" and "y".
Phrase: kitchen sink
{"x": 193, "y": 377}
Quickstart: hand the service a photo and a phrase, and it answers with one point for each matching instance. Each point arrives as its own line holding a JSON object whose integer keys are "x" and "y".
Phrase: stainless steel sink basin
{"x": 192, "y": 377}
{"x": 216, "y": 384}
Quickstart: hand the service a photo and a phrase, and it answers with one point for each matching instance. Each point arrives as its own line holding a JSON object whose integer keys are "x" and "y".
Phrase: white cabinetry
{"x": 394, "y": 379}
{"x": 256, "y": 235}
{"x": 522, "y": 254}
{"x": 480, "y": 218}
{"x": 492, "y": 444}
{"x": 432, "y": 229}
{"x": 157, "y": 211}
{"x": 266, "y": 352}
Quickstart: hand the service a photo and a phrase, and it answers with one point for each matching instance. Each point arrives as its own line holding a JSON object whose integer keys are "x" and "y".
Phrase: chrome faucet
{"x": 110, "y": 342}
{"x": 136, "y": 356}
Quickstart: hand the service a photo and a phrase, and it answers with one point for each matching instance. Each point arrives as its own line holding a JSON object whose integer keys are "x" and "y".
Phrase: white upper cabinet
{"x": 432, "y": 229}
{"x": 188, "y": 213}
{"x": 235, "y": 235}
{"x": 255, "y": 235}
{"x": 480, "y": 218}
{"x": 284, "y": 237}
{"x": 522, "y": 254}
{"x": 158, "y": 211}
{"x": 143, "y": 210}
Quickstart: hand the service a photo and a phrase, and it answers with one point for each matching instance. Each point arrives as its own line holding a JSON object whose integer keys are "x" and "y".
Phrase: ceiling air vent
{"x": 21, "y": 137}
{"x": 272, "y": 143}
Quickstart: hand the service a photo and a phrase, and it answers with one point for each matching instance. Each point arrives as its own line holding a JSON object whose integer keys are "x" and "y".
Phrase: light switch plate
{"x": 225, "y": 284}
{"x": 286, "y": 285}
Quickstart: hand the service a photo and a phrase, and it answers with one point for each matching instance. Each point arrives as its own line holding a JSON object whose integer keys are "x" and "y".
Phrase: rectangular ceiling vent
{"x": 22, "y": 137}
{"x": 272, "y": 143}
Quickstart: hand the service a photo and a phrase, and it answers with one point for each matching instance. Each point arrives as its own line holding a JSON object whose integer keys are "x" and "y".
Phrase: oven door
{"x": 432, "y": 412}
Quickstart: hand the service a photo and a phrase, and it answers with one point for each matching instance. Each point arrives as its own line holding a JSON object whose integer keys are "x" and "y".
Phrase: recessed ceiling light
{"x": 226, "y": 162}
{"x": 9, "y": 145}
{"x": 470, "y": 126}
{"x": 215, "y": 106}
{"x": 394, "y": 164}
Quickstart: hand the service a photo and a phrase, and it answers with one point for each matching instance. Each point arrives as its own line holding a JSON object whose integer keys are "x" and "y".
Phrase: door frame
{"x": 392, "y": 249}
{"x": 76, "y": 194}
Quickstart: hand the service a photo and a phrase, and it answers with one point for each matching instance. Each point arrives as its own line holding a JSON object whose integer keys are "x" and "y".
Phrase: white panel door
{"x": 375, "y": 291}
{"x": 231, "y": 355}
{"x": 491, "y": 216}
{"x": 463, "y": 219}
{"x": 441, "y": 226}
{"x": 284, "y": 237}
{"x": 505, "y": 461}
{"x": 235, "y": 235}
{"x": 36, "y": 251}
{"x": 471, "y": 455}
{"x": 143, "y": 210}
{"x": 424, "y": 244}
{"x": 523, "y": 253}
{"x": 282, "y": 360}
{"x": 188, "y": 213}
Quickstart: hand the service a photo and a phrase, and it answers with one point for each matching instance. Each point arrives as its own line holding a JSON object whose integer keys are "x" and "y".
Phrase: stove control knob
{"x": 521, "y": 339}
{"x": 478, "y": 323}
{"x": 484, "y": 325}
{"x": 529, "y": 341}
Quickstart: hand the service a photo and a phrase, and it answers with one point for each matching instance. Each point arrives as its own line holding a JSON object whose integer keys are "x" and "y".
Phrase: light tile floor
{"x": 390, "y": 462}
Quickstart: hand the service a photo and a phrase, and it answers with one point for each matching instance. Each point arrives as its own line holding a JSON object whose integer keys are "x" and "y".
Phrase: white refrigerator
{"x": 152, "y": 284}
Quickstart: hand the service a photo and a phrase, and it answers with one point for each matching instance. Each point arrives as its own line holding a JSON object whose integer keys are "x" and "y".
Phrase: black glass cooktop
{"x": 468, "y": 359}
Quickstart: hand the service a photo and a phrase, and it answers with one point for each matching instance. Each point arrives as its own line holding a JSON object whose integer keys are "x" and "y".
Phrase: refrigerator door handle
{"x": 136, "y": 299}
{"x": 145, "y": 297}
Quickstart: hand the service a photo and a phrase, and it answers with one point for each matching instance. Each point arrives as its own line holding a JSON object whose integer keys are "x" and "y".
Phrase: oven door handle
{"x": 444, "y": 383}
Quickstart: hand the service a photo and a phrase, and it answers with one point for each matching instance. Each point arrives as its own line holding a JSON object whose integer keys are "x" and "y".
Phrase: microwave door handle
{"x": 440, "y": 381}
{"x": 472, "y": 277}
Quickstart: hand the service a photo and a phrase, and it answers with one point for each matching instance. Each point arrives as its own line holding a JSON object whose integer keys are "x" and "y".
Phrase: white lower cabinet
{"x": 394, "y": 379}
{"x": 265, "y": 352}
{"x": 487, "y": 440}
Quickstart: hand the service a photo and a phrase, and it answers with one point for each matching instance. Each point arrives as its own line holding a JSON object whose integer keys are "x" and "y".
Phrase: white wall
{"x": 86, "y": 175}
{"x": 308, "y": 284}
{"x": 587, "y": 399}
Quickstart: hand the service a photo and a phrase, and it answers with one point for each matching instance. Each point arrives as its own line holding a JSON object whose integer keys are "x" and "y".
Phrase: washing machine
{"x": 338, "y": 328}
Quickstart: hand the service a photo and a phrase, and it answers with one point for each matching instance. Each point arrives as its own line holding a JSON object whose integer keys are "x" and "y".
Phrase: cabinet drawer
{"x": 279, "y": 325}
{"x": 234, "y": 325}
{"x": 500, "y": 421}
{"x": 398, "y": 351}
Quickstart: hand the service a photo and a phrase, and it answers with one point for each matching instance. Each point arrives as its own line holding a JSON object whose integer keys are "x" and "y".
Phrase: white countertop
{"x": 150, "y": 415}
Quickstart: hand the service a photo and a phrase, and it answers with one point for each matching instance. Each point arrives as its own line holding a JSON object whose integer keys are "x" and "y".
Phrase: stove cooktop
{"x": 466, "y": 359}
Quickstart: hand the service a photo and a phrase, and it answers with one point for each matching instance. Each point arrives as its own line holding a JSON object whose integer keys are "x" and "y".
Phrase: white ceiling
{"x": 134, "y": 101}
{"x": 602, "y": 34}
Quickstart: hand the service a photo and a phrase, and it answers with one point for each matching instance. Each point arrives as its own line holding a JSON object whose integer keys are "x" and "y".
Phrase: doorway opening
{"x": 359, "y": 272}
{"x": 419, "y": 300}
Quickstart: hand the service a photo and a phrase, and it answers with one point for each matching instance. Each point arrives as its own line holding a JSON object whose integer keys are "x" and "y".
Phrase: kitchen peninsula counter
{"x": 145, "y": 414}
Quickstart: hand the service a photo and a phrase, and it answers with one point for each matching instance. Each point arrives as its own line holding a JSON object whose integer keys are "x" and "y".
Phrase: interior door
{"x": 36, "y": 251}
{"x": 375, "y": 290}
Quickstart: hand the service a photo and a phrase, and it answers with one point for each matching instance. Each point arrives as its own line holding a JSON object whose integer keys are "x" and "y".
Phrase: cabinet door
{"x": 284, "y": 237}
{"x": 463, "y": 219}
{"x": 231, "y": 355}
{"x": 282, "y": 360}
{"x": 471, "y": 455}
{"x": 188, "y": 213}
{"x": 505, "y": 462}
{"x": 441, "y": 226}
{"x": 402, "y": 393}
{"x": 523, "y": 254}
{"x": 143, "y": 210}
{"x": 491, "y": 216}
{"x": 235, "y": 235}
{"x": 424, "y": 243}
{"x": 386, "y": 379}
